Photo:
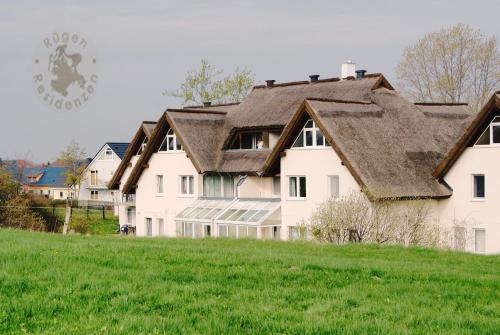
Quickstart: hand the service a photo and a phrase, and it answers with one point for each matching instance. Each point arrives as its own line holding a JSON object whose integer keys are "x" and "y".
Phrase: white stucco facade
{"x": 463, "y": 208}
{"x": 316, "y": 164}
{"x": 164, "y": 206}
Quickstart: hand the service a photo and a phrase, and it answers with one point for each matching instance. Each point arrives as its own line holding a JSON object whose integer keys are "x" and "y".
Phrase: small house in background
{"x": 94, "y": 186}
{"x": 48, "y": 181}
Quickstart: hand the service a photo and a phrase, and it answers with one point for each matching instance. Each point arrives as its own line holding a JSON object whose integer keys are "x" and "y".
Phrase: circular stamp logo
{"x": 65, "y": 71}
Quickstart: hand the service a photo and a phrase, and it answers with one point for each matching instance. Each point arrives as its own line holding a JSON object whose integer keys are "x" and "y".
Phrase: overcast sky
{"x": 145, "y": 47}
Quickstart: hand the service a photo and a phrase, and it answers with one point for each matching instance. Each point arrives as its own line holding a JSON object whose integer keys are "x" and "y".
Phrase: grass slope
{"x": 104, "y": 285}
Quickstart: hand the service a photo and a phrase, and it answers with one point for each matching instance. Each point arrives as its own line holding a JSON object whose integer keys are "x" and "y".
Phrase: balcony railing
{"x": 128, "y": 199}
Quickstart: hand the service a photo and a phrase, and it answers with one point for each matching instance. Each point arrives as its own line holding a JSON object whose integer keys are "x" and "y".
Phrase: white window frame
{"x": 108, "y": 154}
{"x": 142, "y": 147}
{"x": 171, "y": 136}
{"x": 159, "y": 184}
{"x": 297, "y": 183}
{"x": 148, "y": 231}
{"x": 476, "y": 230}
{"x": 473, "y": 176}
{"x": 222, "y": 185}
{"x": 96, "y": 173}
{"x": 94, "y": 195}
{"x": 330, "y": 179}
{"x": 313, "y": 130}
{"x": 490, "y": 129}
{"x": 185, "y": 183}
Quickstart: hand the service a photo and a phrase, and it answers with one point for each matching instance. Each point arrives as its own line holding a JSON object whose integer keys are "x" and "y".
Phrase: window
{"x": 251, "y": 141}
{"x": 333, "y": 187}
{"x": 161, "y": 228}
{"x": 491, "y": 134}
{"x": 94, "y": 195}
{"x": 218, "y": 186}
{"x": 149, "y": 226}
{"x": 193, "y": 229}
{"x": 143, "y": 146}
{"x": 159, "y": 184}
{"x": 479, "y": 240}
{"x": 310, "y": 136}
{"x": 93, "y": 178}
{"x": 170, "y": 142}
{"x": 297, "y": 187}
{"x": 61, "y": 195}
{"x": 130, "y": 215}
{"x": 187, "y": 185}
{"x": 478, "y": 186}
{"x": 276, "y": 186}
{"x": 108, "y": 154}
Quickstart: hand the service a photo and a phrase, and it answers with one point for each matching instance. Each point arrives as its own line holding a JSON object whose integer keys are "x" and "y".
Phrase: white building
{"x": 126, "y": 202}
{"x": 259, "y": 168}
{"x": 94, "y": 186}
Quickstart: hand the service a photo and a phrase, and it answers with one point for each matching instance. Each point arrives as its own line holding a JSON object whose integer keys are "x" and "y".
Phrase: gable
{"x": 474, "y": 130}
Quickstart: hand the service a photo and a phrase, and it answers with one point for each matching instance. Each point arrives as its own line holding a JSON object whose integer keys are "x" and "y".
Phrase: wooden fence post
{"x": 103, "y": 213}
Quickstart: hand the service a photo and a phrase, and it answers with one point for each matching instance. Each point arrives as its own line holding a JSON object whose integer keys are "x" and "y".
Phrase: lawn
{"x": 53, "y": 284}
{"x": 89, "y": 221}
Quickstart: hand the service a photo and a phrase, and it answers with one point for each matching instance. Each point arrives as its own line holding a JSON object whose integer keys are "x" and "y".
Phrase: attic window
{"x": 310, "y": 136}
{"x": 170, "y": 143}
{"x": 143, "y": 146}
{"x": 491, "y": 135}
{"x": 108, "y": 154}
{"x": 251, "y": 141}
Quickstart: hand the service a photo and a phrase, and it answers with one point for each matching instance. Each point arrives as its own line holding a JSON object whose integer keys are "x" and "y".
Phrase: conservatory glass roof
{"x": 232, "y": 211}
{"x": 248, "y": 211}
{"x": 204, "y": 209}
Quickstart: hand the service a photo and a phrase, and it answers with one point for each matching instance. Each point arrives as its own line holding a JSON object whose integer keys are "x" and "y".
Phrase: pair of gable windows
{"x": 310, "y": 136}
{"x": 491, "y": 136}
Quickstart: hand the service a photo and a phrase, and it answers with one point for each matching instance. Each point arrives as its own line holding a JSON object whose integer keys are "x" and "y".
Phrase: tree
{"x": 205, "y": 84}
{"x": 456, "y": 64}
{"x": 73, "y": 158}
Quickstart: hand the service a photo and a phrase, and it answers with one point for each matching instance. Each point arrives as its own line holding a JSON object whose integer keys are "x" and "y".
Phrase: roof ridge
{"x": 303, "y": 82}
{"x": 149, "y": 122}
{"x": 441, "y": 103}
{"x": 341, "y": 101}
{"x": 196, "y": 111}
{"x": 212, "y": 105}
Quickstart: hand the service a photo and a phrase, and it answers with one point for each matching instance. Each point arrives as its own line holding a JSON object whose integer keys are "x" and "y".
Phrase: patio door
{"x": 149, "y": 227}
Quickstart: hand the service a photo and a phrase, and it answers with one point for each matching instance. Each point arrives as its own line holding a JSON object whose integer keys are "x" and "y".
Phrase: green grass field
{"x": 53, "y": 284}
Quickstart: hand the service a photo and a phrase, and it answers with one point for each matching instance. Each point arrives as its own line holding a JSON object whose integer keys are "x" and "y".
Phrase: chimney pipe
{"x": 348, "y": 69}
{"x": 360, "y": 74}
{"x": 270, "y": 83}
{"x": 314, "y": 78}
{"x": 207, "y": 103}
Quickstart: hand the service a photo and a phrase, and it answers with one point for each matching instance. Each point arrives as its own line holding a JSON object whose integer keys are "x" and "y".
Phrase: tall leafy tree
{"x": 455, "y": 64}
{"x": 73, "y": 158}
{"x": 209, "y": 84}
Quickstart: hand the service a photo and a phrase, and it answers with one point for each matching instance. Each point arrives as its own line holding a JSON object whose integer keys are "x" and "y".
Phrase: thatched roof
{"x": 470, "y": 134}
{"x": 145, "y": 130}
{"x": 390, "y": 146}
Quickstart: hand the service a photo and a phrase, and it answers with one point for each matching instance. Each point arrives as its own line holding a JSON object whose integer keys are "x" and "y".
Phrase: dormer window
{"x": 491, "y": 135}
{"x": 251, "y": 141}
{"x": 310, "y": 136}
{"x": 170, "y": 142}
{"x": 143, "y": 146}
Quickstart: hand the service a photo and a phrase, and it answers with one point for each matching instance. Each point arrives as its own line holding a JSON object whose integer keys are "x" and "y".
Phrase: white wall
{"x": 461, "y": 206}
{"x": 171, "y": 165}
{"x": 316, "y": 164}
{"x": 106, "y": 169}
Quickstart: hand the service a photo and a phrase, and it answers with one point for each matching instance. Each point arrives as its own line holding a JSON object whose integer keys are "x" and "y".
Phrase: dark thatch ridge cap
{"x": 326, "y": 80}
{"x": 211, "y": 105}
{"x": 373, "y": 75}
{"x": 446, "y": 115}
{"x": 441, "y": 103}
{"x": 195, "y": 111}
{"x": 149, "y": 122}
{"x": 341, "y": 101}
